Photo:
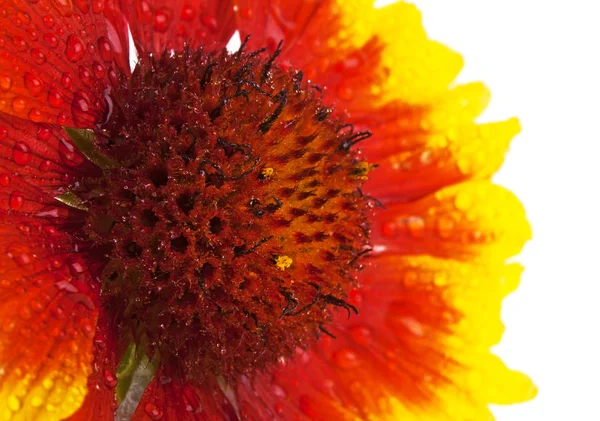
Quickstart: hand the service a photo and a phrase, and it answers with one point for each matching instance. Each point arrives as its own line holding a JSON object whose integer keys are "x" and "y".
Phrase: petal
{"x": 357, "y": 51}
{"x": 48, "y": 311}
{"x": 37, "y": 162}
{"x": 157, "y": 25}
{"x": 169, "y": 398}
{"x": 472, "y": 220}
{"x": 60, "y": 60}
{"x": 423, "y": 149}
{"x": 39, "y": 155}
{"x": 100, "y": 402}
{"x": 418, "y": 350}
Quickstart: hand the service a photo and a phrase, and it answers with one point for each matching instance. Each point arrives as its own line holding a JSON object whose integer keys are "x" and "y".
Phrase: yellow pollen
{"x": 362, "y": 169}
{"x": 283, "y": 262}
{"x": 267, "y": 172}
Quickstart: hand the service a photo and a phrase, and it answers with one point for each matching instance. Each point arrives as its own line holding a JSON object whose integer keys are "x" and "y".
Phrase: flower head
{"x": 302, "y": 229}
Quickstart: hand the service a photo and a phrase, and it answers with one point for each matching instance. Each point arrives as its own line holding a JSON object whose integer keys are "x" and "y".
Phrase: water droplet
{"x": 36, "y": 402}
{"x": 278, "y": 409}
{"x": 361, "y": 335}
{"x": 4, "y": 179}
{"x": 21, "y": 153}
{"x": 35, "y": 115}
{"x": 210, "y": 22}
{"x": 416, "y": 226}
{"x": 16, "y": 200}
{"x": 45, "y": 165}
{"x": 20, "y": 44}
{"x": 48, "y": 21}
{"x": 345, "y": 358}
{"x": 75, "y": 49}
{"x": 98, "y": 6}
{"x": 3, "y": 133}
{"x": 69, "y": 153}
{"x": 51, "y": 39}
{"x": 99, "y": 70}
{"x": 463, "y": 201}
{"x": 5, "y": 83}
{"x": 105, "y": 49}
{"x": 445, "y": 227}
{"x": 187, "y": 13}
{"x": 48, "y": 383}
{"x": 14, "y": 404}
{"x": 161, "y": 20}
{"x": 153, "y": 411}
{"x": 110, "y": 379}
{"x": 66, "y": 80}
{"x": 19, "y": 104}
{"x": 246, "y": 13}
{"x": 85, "y": 76}
{"x": 55, "y": 98}
{"x": 33, "y": 84}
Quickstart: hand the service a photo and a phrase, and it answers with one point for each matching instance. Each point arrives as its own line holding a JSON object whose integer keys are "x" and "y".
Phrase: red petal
{"x": 167, "y": 398}
{"x": 37, "y": 162}
{"x": 100, "y": 403}
{"x": 48, "y": 311}
{"x": 60, "y": 59}
{"x": 159, "y": 24}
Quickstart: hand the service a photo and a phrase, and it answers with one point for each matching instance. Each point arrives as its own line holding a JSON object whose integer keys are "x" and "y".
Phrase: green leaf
{"x": 84, "y": 140}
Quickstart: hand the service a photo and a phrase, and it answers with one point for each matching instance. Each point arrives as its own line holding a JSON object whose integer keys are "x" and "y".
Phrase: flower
{"x": 216, "y": 213}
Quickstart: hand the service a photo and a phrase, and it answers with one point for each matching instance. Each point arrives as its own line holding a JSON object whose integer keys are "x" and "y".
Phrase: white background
{"x": 541, "y": 59}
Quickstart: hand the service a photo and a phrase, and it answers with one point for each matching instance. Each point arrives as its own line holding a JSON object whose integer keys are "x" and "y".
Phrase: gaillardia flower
{"x": 303, "y": 229}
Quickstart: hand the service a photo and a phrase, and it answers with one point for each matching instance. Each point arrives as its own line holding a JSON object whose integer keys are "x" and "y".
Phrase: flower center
{"x": 233, "y": 223}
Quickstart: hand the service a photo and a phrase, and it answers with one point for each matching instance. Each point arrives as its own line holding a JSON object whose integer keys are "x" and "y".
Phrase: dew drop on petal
{"x": 55, "y": 98}
{"x": 153, "y": 411}
{"x": 105, "y": 49}
{"x": 5, "y": 83}
{"x": 345, "y": 358}
{"x": 66, "y": 80}
{"x": 187, "y": 13}
{"x": 19, "y": 104}
{"x": 110, "y": 379}
{"x": 33, "y": 84}
{"x": 75, "y": 49}
{"x": 38, "y": 56}
{"x": 445, "y": 227}
{"x": 15, "y": 201}
{"x": 161, "y": 20}
{"x": 416, "y": 226}
{"x": 4, "y": 179}
{"x": 21, "y": 153}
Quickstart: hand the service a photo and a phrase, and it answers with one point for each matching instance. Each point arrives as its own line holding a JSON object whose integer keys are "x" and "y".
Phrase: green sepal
{"x": 128, "y": 371}
{"x": 72, "y": 200}
{"x": 84, "y": 140}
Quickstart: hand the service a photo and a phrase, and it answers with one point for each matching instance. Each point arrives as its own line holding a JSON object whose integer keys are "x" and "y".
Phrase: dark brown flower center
{"x": 234, "y": 221}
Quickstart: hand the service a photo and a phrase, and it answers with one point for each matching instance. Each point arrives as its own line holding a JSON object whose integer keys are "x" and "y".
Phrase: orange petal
{"x": 472, "y": 220}
{"x": 48, "y": 311}
{"x": 61, "y": 59}
{"x": 100, "y": 402}
{"x": 157, "y": 25}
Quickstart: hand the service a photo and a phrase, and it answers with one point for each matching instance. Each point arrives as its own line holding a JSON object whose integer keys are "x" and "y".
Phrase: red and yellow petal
{"x": 48, "y": 308}
{"x": 100, "y": 402}
{"x": 472, "y": 220}
{"x": 157, "y": 25}
{"x": 59, "y": 61}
